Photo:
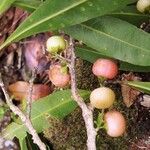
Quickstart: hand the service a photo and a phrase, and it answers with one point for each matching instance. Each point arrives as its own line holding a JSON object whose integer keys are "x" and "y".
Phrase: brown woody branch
{"x": 25, "y": 119}
{"x": 87, "y": 112}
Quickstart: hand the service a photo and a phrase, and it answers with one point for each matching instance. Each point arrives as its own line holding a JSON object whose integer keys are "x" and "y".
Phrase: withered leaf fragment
{"x": 129, "y": 94}
{"x": 20, "y": 90}
{"x": 34, "y": 53}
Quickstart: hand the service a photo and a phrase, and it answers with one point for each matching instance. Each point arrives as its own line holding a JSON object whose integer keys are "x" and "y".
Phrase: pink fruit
{"x": 58, "y": 77}
{"x": 115, "y": 123}
{"x": 105, "y": 68}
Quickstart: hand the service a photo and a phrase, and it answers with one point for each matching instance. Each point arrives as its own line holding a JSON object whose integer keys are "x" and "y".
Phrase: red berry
{"x": 58, "y": 77}
{"x": 105, "y": 68}
{"x": 115, "y": 123}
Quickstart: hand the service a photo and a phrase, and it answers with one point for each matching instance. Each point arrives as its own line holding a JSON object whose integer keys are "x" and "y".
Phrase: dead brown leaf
{"x": 129, "y": 95}
{"x": 34, "y": 53}
{"x": 20, "y": 90}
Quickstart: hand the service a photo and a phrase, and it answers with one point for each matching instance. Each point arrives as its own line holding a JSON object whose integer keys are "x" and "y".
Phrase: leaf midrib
{"x": 136, "y": 85}
{"x": 129, "y": 14}
{"x": 112, "y": 37}
{"x": 21, "y": 125}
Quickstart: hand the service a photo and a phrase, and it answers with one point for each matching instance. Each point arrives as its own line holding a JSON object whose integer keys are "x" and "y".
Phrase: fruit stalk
{"x": 87, "y": 112}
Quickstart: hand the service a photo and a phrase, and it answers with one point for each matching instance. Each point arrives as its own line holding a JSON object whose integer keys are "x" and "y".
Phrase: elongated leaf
{"x": 92, "y": 55}
{"x": 142, "y": 86}
{"x": 88, "y": 54}
{"x": 58, "y": 104}
{"x": 29, "y": 5}
{"x": 5, "y": 4}
{"x": 130, "y": 14}
{"x": 115, "y": 38}
{"x": 135, "y": 68}
{"x": 56, "y": 14}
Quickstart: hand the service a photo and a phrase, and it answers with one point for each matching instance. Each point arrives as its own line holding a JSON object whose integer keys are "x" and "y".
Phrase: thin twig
{"x": 57, "y": 56}
{"x": 19, "y": 51}
{"x": 86, "y": 111}
{"x": 29, "y": 100}
{"x": 25, "y": 119}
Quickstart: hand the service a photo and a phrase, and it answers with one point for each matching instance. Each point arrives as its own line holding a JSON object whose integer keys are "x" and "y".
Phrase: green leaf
{"x": 58, "y": 104}
{"x": 92, "y": 55}
{"x": 100, "y": 121}
{"x": 142, "y": 86}
{"x": 56, "y": 14}
{"x": 88, "y": 54}
{"x": 130, "y": 14}
{"x": 5, "y": 4}
{"x": 115, "y": 38}
{"x": 2, "y": 112}
{"x": 23, "y": 144}
{"x": 29, "y": 5}
{"x": 135, "y": 68}
{"x": 14, "y": 130}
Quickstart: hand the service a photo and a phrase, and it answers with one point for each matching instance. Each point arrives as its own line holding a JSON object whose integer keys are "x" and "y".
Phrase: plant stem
{"x": 87, "y": 112}
{"x": 25, "y": 119}
{"x": 29, "y": 99}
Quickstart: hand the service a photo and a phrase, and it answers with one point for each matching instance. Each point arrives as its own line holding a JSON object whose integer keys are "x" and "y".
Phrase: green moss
{"x": 68, "y": 133}
{"x": 85, "y": 77}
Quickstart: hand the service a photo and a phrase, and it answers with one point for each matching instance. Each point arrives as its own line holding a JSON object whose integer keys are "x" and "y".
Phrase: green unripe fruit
{"x": 143, "y": 5}
{"x": 102, "y": 98}
{"x": 56, "y": 44}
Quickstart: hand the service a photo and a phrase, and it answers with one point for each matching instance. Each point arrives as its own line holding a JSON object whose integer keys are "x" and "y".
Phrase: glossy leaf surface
{"x": 92, "y": 55}
{"x": 56, "y": 14}
{"x": 58, "y": 104}
{"x": 115, "y": 38}
{"x": 142, "y": 86}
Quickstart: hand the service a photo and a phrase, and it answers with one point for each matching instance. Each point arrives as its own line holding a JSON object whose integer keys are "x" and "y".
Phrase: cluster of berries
{"x": 58, "y": 74}
{"x": 104, "y": 97}
{"x": 100, "y": 98}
